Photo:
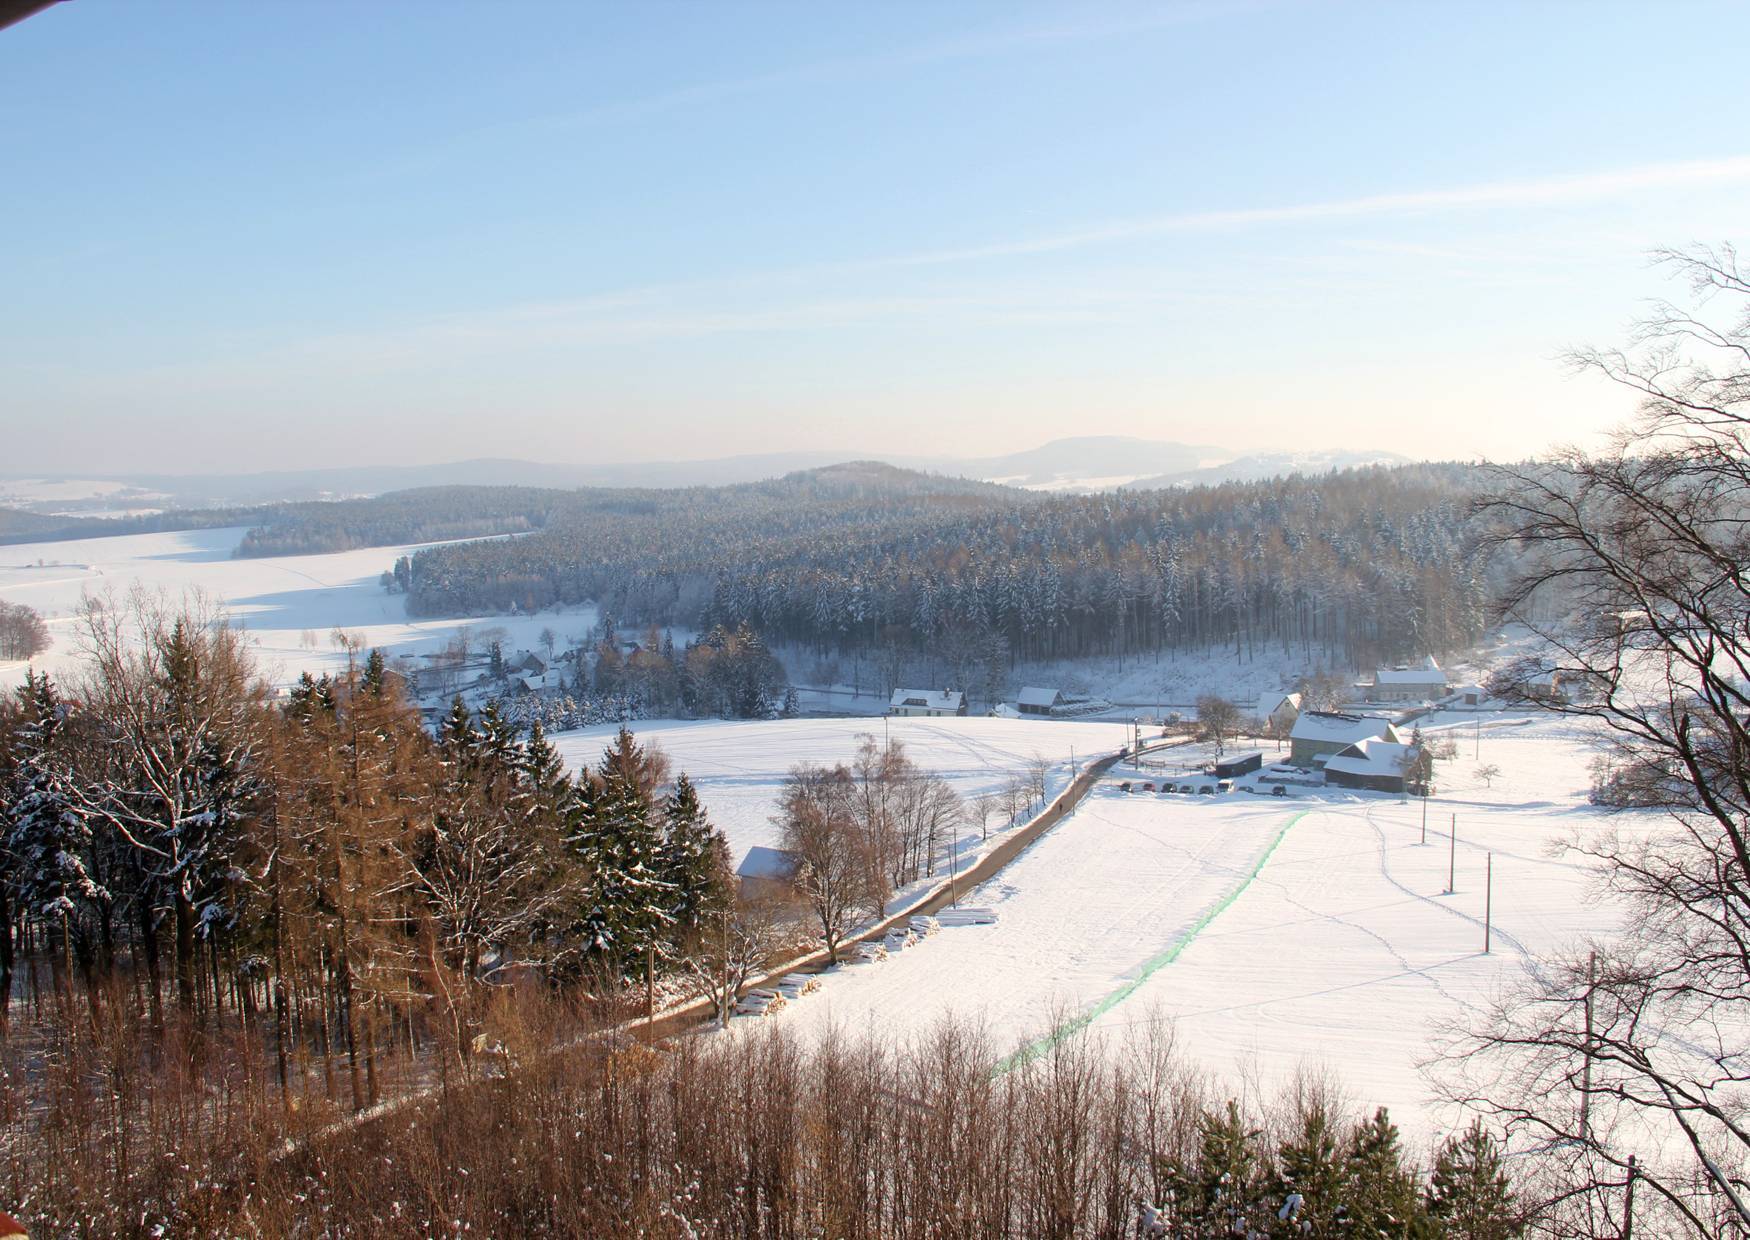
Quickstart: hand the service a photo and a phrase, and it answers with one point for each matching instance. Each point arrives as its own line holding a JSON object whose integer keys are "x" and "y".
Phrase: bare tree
{"x": 1635, "y": 572}
{"x": 819, "y": 830}
{"x": 738, "y": 944}
{"x": 1488, "y": 773}
{"x": 1217, "y": 720}
{"x": 23, "y": 634}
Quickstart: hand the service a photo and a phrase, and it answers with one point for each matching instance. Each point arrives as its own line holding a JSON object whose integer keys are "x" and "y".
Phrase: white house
{"x": 927, "y": 702}
{"x": 1320, "y": 734}
{"x": 765, "y": 869}
{"x": 1278, "y": 711}
{"x": 1037, "y": 701}
{"x": 1423, "y": 683}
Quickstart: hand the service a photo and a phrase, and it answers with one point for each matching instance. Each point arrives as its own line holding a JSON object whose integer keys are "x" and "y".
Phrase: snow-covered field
{"x": 289, "y": 605}
{"x": 740, "y": 766}
{"x": 1277, "y": 934}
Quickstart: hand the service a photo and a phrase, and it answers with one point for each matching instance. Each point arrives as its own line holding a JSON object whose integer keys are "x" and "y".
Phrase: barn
{"x": 1373, "y": 765}
{"x": 1038, "y": 701}
{"x": 1321, "y": 734}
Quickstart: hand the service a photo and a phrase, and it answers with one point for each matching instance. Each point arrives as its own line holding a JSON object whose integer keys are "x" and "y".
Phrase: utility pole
{"x": 1479, "y": 738}
{"x": 1452, "y": 858}
{"x": 1424, "y": 818}
{"x": 1488, "y": 901}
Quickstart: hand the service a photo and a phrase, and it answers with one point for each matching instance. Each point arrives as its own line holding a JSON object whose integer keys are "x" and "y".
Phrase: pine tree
{"x": 374, "y": 673}
{"x": 1382, "y": 1191}
{"x": 1311, "y": 1165}
{"x": 50, "y": 838}
{"x": 626, "y": 915}
{"x": 1469, "y": 1196}
{"x": 456, "y": 734}
{"x": 695, "y": 864}
{"x": 1226, "y": 1190}
{"x": 495, "y": 661}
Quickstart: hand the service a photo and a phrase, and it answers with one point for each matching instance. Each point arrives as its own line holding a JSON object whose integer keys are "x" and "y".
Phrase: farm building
{"x": 1423, "y": 683}
{"x": 528, "y": 663}
{"x": 1319, "y": 734}
{"x": 1235, "y": 765}
{"x": 1373, "y": 764}
{"x": 1037, "y": 701}
{"x": 765, "y": 869}
{"x": 1278, "y": 711}
{"x": 931, "y": 703}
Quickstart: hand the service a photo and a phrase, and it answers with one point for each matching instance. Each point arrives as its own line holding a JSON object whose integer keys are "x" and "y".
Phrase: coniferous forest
{"x": 1354, "y": 566}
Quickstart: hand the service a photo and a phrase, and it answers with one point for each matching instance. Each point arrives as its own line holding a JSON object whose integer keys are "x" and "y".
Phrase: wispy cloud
{"x": 1528, "y": 193}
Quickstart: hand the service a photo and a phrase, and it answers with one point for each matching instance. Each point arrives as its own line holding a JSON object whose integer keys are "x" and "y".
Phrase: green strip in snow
{"x": 1150, "y": 967}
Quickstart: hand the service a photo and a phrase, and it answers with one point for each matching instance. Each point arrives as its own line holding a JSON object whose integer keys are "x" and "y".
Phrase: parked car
{"x": 1187, "y": 788}
{"x": 1148, "y": 787}
{"x": 1224, "y": 785}
{"x": 1124, "y": 787}
{"x": 1280, "y": 790}
{"x": 1207, "y": 790}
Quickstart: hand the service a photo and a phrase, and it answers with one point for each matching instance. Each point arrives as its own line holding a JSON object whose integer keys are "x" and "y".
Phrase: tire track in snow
{"x": 1152, "y": 965}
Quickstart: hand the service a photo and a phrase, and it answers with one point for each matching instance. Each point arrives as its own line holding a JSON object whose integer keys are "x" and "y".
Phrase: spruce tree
{"x": 626, "y": 913}
{"x": 1469, "y": 1197}
{"x": 695, "y": 864}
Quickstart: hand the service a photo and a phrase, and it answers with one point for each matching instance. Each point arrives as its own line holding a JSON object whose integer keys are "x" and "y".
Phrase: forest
{"x": 1349, "y": 567}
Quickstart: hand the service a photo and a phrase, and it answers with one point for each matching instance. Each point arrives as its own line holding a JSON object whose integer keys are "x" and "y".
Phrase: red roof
{"x": 11, "y": 1228}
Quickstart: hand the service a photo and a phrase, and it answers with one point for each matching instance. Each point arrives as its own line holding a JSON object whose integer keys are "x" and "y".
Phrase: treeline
{"x": 859, "y": 832}
{"x": 322, "y": 875}
{"x": 425, "y": 514}
{"x": 1356, "y": 566}
{"x": 759, "y": 1136}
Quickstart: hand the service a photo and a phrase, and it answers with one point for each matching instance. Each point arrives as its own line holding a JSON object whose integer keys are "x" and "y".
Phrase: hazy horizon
{"x": 253, "y": 240}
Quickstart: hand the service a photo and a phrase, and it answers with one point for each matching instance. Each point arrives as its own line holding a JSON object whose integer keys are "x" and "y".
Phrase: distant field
{"x": 277, "y": 601}
{"x": 740, "y": 766}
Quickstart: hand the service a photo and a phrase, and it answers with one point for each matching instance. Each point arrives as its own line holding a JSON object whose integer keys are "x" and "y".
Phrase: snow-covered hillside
{"x": 288, "y": 605}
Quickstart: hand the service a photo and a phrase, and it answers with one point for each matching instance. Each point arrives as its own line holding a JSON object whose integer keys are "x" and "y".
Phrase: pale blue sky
{"x": 273, "y": 235}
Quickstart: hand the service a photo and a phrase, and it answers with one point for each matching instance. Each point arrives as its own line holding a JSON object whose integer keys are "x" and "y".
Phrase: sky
{"x": 281, "y": 235}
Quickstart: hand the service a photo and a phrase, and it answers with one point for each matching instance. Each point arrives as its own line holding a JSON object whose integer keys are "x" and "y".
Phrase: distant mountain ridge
{"x": 1076, "y": 464}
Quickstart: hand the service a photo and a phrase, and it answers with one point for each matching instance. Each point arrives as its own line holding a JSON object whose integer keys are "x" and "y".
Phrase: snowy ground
{"x": 289, "y": 605}
{"x": 740, "y": 766}
{"x": 1277, "y": 934}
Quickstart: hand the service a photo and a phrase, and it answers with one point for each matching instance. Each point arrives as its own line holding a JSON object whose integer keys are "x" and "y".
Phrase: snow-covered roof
{"x": 1032, "y": 695}
{"x": 1319, "y": 725}
{"x": 1270, "y": 703}
{"x": 934, "y": 699}
{"x": 762, "y": 862}
{"x": 1370, "y": 757}
{"x": 1409, "y": 676}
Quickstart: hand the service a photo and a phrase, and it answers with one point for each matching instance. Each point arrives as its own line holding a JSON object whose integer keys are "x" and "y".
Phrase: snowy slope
{"x": 1277, "y": 935}
{"x": 288, "y": 605}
